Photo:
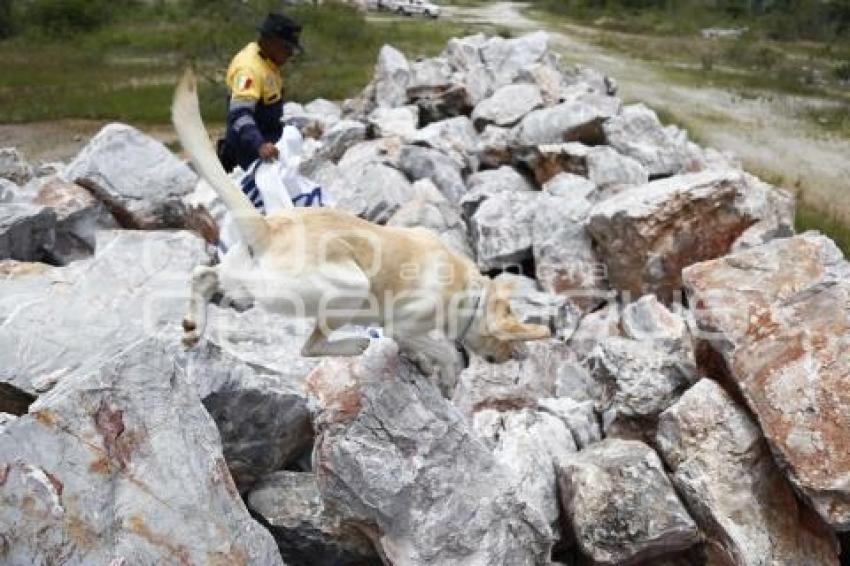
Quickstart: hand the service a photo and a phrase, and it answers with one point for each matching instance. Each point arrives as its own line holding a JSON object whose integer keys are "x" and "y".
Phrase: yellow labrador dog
{"x": 339, "y": 269}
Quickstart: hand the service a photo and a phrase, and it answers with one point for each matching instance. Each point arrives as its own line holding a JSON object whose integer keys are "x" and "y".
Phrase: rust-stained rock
{"x": 397, "y": 459}
{"x": 775, "y": 321}
{"x": 647, "y": 234}
{"x": 123, "y": 466}
{"x": 138, "y": 179}
{"x": 602, "y": 165}
{"x": 723, "y": 470}
{"x": 78, "y": 216}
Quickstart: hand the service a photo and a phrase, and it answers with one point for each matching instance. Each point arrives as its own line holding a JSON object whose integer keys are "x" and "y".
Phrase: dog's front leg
{"x": 449, "y": 365}
{"x": 440, "y": 354}
{"x": 204, "y": 285}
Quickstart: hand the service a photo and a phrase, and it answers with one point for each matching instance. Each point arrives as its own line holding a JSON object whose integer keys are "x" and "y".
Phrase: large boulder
{"x": 392, "y": 75}
{"x": 306, "y": 532}
{"x": 136, "y": 177}
{"x": 640, "y": 379}
{"x": 516, "y": 384}
{"x": 78, "y": 216}
{"x": 612, "y": 171}
{"x": 648, "y": 320}
{"x": 123, "y": 466}
{"x": 501, "y": 229}
{"x": 723, "y": 470}
{"x": 603, "y": 166}
{"x": 548, "y": 80}
{"x": 398, "y": 460}
{"x": 575, "y": 120}
{"x": 456, "y": 137}
{"x": 137, "y": 284}
{"x": 638, "y": 133}
{"x": 507, "y": 106}
{"x": 488, "y": 182}
{"x": 596, "y": 327}
{"x": 400, "y": 121}
{"x": 432, "y": 211}
{"x": 429, "y": 77}
{"x": 340, "y": 137}
{"x": 620, "y": 505}
{"x": 588, "y": 77}
{"x": 373, "y": 191}
{"x": 774, "y": 207}
{"x": 27, "y": 232}
{"x": 506, "y": 58}
{"x": 382, "y": 150}
{"x": 24, "y": 282}
{"x": 464, "y": 54}
{"x": 774, "y": 321}
{"x": 565, "y": 260}
{"x": 649, "y": 233}
{"x": 250, "y": 374}
{"x": 311, "y": 123}
{"x": 425, "y": 163}
{"x": 312, "y": 119}
{"x": 529, "y": 444}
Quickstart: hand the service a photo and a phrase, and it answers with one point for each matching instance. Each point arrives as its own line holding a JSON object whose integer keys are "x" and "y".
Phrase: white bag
{"x": 279, "y": 183}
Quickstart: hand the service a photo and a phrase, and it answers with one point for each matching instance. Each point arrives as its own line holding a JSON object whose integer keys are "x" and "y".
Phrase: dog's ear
{"x": 505, "y": 325}
{"x": 512, "y": 330}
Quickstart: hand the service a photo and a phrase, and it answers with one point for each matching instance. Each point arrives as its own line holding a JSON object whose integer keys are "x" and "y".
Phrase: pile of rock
{"x": 122, "y": 178}
{"x": 691, "y": 407}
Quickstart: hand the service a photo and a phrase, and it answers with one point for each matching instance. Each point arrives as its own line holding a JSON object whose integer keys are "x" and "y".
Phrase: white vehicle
{"x": 416, "y": 7}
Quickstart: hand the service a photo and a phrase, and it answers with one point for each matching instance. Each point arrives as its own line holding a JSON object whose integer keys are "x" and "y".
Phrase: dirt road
{"x": 764, "y": 132}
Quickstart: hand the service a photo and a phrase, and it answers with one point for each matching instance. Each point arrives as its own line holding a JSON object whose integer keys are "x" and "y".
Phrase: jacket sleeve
{"x": 244, "y": 96}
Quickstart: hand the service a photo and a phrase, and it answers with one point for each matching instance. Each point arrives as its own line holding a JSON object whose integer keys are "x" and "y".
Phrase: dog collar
{"x": 459, "y": 341}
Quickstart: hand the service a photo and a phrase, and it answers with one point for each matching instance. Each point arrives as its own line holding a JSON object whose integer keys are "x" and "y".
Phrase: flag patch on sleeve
{"x": 243, "y": 82}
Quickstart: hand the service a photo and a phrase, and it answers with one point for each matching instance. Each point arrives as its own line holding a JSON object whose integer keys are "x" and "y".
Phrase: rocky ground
{"x": 768, "y": 132}
{"x": 691, "y": 408}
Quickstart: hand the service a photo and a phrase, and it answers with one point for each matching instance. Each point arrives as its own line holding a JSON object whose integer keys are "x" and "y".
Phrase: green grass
{"x": 126, "y": 70}
{"x": 812, "y": 218}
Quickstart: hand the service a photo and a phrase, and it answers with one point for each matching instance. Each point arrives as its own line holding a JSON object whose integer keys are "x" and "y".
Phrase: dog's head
{"x": 497, "y": 330}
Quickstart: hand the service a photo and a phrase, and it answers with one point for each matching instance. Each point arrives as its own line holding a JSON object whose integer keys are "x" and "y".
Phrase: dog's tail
{"x": 186, "y": 116}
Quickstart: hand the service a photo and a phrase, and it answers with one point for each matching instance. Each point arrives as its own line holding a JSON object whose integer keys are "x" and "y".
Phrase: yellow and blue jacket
{"x": 255, "y": 104}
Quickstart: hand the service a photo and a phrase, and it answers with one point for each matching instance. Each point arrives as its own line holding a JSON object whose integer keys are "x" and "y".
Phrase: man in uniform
{"x": 255, "y": 104}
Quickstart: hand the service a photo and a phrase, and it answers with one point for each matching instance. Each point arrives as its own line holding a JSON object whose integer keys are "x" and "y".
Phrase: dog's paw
{"x": 191, "y": 335}
{"x": 190, "y": 340}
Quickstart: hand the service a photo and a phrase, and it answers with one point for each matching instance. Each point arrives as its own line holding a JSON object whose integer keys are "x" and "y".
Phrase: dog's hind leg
{"x": 318, "y": 344}
{"x": 205, "y": 283}
{"x": 343, "y": 296}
